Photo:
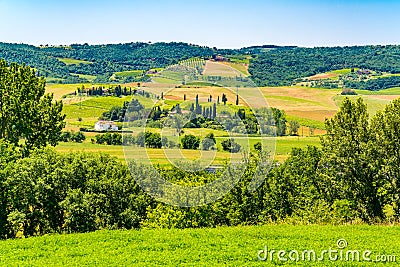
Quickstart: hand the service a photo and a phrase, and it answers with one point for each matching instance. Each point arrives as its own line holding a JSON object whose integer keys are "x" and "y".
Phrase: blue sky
{"x": 225, "y": 24}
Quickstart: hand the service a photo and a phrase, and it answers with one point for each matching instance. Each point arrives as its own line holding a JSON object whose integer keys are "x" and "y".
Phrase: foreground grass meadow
{"x": 225, "y": 246}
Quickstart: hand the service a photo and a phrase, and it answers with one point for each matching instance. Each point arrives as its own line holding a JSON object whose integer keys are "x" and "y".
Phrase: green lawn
{"x": 222, "y": 246}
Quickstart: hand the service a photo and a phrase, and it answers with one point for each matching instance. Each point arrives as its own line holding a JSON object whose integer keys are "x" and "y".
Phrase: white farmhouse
{"x": 106, "y": 126}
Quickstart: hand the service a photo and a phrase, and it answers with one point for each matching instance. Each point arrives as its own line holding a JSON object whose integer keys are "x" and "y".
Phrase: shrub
{"x": 190, "y": 142}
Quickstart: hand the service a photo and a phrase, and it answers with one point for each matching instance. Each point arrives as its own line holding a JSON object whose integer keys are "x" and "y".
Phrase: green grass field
{"x": 71, "y": 61}
{"x": 281, "y": 145}
{"x": 130, "y": 73}
{"x": 90, "y": 78}
{"x": 224, "y": 246}
{"x": 374, "y": 104}
{"x": 390, "y": 91}
{"x": 343, "y": 71}
{"x": 91, "y": 108}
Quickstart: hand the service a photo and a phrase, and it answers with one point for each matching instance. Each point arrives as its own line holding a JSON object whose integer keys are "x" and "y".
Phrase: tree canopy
{"x": 29, "y": 118}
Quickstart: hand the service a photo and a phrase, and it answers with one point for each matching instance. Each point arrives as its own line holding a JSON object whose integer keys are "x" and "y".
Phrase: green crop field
{"x": 71, "y": 61}
{"x": 224, "y": 246}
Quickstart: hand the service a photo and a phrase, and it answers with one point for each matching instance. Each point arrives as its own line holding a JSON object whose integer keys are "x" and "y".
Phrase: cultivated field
{"x": 308, "y": 106}
{"x": 221, "y": 69}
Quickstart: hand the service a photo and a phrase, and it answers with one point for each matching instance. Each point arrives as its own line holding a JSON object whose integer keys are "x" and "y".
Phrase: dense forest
{"x": 104, "y": 59}
{"x": 269, "y": 65}
{"x": 285, "y": 66}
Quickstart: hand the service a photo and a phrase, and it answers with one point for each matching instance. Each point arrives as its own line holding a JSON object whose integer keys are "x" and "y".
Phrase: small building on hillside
{"x": 364, "y": 72}
{"x": 106, "y": 126}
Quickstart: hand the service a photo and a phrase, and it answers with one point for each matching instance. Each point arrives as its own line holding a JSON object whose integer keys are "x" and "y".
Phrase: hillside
{"x": 58, "y": 64}
{"x": 280, "y": 67}
{"x": 267, "y": 65}
{"x": 227, "y": 246}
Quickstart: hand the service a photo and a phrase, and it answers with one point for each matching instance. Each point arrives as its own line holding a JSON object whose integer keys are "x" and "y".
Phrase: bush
{"x": 109, "y": 139}
{"x": 230, "y": 145}
{"x": 208, "y": 142}
{"x": 65, "y": 136}
{"x": 347, "y": 91}
{"x": 78, "y": 137}
{"x": 190, "y": 142}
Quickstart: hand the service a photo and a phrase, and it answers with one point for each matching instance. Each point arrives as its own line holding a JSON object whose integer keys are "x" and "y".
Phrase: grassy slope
{"x": 129, "y": 73}
{"x": 71, "y": 61}
{"x": 90, "y": 109}
{"x": 226, "y": 246}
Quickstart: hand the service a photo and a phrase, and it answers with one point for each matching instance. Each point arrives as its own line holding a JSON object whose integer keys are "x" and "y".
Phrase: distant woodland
{"x": 269, "y": 65}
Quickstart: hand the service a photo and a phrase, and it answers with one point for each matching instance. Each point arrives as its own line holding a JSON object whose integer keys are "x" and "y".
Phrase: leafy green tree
{"x": 258, "y": 146}
{"x": 78, "y": 137}
{"x": 80, "y": 216}
{"x": 141, "y": 139}
{"x": 208, "y": 142}
{"x": 26, "y": 112}
{"x": 385, "y": 127}
{"x": 280, "y": 121}
{"x": 294, "y": 127}
{"x": 224, "y": 99}
{"x": 190, "y": 141}
{"x": 178, "y": 123}
{"x": 116, "y": 139}
{"x": 65, "y": 136}
{"x": 230, "y": 145}
{"x": 128, "y": 139}
{"x": 349, "y": 159}
{"x": 153, "y": 140}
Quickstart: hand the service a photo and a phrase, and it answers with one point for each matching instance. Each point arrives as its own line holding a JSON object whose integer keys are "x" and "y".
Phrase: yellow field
{"x": 220, "y": 69}
{"x": 61, "y": 89}
{"x": 241, "y": 67}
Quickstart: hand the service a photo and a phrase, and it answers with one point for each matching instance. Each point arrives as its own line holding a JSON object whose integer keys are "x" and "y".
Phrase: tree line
{"x": 105, "y": 59}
